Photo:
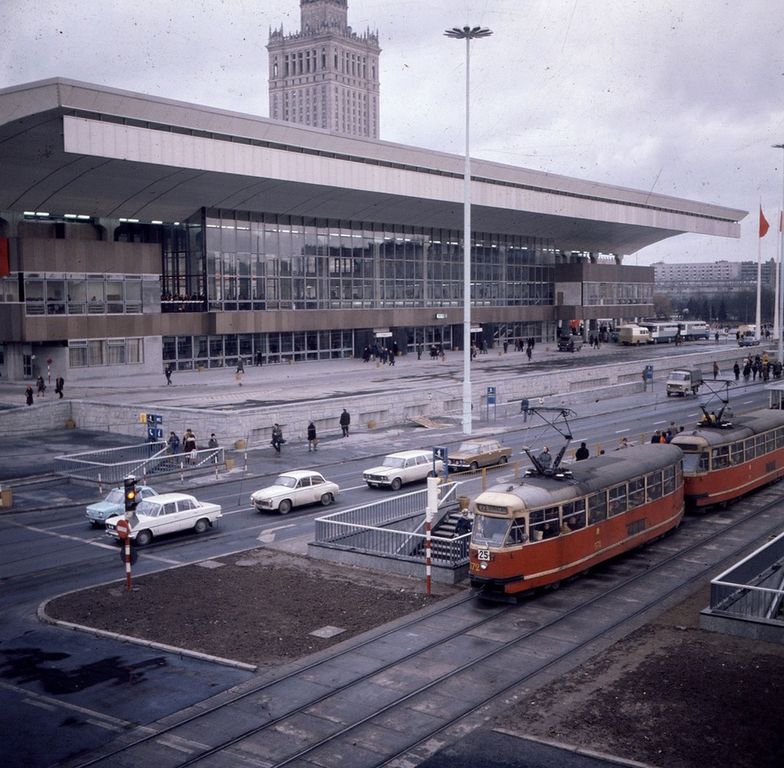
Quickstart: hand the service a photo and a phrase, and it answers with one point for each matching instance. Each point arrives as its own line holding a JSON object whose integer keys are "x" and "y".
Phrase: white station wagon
{"x": 400, "y": 468}
{"x": 295, "y": 489}
{"x": 167, "y": 513}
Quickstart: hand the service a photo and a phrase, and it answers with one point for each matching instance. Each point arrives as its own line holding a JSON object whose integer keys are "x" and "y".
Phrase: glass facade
{"x": 597, "y": 294}
{"x": 283, "y": 262}
{"x": 68, "y": 293}
{"x": 86, "y": 353}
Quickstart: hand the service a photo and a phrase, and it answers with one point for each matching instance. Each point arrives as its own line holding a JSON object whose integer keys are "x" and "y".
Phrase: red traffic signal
{"x": 131, "y": 497}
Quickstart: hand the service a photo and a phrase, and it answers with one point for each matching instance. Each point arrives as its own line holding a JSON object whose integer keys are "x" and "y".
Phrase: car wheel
{"x": 396, "y": 484}
{"x": 503, "y": 460}
{"x": 201, "y": 525}
{"x": 284, "y": 507}
{"x": 96, "y": 524}
{"x": 474, "y": 466}
{"x": 327, "y": 499}
{"x": 143, "y": 538}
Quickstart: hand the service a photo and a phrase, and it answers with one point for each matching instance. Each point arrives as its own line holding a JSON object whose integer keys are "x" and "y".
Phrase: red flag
{"x": 5, "y": 268}
{"x": 764, "y": 226}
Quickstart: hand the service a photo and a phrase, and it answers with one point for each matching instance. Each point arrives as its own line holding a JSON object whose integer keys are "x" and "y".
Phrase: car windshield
{"x": 490, "y": 531}
{"x": 469, "y": 448}
{"x": 114, "y": 497}
{"x": 394, "y": 461}
{"x": 676, "y": 376}
{"x": 147, "y": 508}
{"x": 287, "y": 481}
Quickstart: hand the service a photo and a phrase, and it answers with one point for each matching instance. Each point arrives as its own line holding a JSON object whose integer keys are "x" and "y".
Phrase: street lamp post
{"x": 468, "y": 34}
{"x": 780, "y": 349}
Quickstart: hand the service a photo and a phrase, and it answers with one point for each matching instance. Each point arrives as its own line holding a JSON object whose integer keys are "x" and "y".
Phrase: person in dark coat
{"x": 167, "y": 373}
{"x": 40, "y": 386}
{"x": 277, "y": 437}
{"x": 582, "y": 452}
{"x": 59, "y": 386}
{"x": 29, "y": 395}
{"x": 345, "y": 422}
{"x": 312, "y": 438}
{"x": 463, "y": 524}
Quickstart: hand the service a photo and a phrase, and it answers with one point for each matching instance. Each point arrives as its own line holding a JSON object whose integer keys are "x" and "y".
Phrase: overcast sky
{"x": 681, "y": 97}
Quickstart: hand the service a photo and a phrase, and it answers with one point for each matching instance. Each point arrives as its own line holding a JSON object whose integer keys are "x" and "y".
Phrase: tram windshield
{"x": 691, "y": 462}
{"x": 490, "y": 531}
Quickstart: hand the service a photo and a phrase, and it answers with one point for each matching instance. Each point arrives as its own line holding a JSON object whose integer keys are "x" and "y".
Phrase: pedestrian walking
{"x": 345, "y": 422}
{"x": 174, "y": 442}
{"x": 312, "y": 438}
{"x": 715, "y": 369}
{"x": 736, "y": 370}
{"x": 528, "y": 353}
{"x": 277, "y": 437}
{"x": 189, "y": 441}
{"x": 59, "y": 386}
{"x": 213, "y": 441}
{"x": 419, "y": 351}
{"x": 40, "y": 386}
{"x": 167, "y": 373}
{"x": 29, "y": 395}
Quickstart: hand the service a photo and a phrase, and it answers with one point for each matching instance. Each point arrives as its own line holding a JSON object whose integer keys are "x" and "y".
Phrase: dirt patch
{"x": 258, "y": 607}
{"x": 669, "y": 694}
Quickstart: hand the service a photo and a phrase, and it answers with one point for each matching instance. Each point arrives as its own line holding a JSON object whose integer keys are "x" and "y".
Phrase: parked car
{"x": 570, "y": 343}
{"x": 295, "y": 489}
{"x": 114, "y": 504}
{"x": 474, "y": 454}
{"x": 400, "y": 468}
{"x": 167, "y": 513}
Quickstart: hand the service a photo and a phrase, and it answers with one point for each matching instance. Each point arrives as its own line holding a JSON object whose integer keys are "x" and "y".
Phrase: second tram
{"x": 723, "y": 460}
{"x": 554, "y": 525}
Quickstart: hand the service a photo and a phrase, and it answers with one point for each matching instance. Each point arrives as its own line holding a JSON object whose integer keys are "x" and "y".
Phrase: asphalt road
{"x": 63, "y": 692}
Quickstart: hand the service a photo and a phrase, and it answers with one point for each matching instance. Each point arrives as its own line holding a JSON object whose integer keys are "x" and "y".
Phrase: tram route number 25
{"x": 483, "y": 554}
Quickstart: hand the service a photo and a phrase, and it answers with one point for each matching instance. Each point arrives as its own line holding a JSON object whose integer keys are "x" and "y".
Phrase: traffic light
{"x": 131, "y": 499}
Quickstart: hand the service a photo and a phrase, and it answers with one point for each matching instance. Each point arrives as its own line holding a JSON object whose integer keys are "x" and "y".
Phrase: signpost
{"x": 441, "y": 452}
{"x": 491, "y": 398}
{"x": 123, "y": 531}
{"x": 154, "y": 429}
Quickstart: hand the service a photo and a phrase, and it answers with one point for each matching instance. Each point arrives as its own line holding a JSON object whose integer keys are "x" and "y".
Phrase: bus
{"x": 693, "y": 330}
{"x": 662, "y": 332}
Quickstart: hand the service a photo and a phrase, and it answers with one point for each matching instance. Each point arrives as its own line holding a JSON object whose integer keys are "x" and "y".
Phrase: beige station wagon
{"x": 474, "y": 454}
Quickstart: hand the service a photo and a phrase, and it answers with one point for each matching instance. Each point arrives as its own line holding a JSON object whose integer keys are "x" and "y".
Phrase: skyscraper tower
{"x": 325, "y": 75}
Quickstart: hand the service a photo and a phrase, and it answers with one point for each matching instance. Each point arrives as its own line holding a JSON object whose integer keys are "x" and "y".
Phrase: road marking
{"x": 102, "y": 545}
{"x": 621, "y": 431}
{"x": 39, "y": 704}
{"x": 65, "y": 536}
{"x": 43, "y": 701}
{"x": 268, "y": 535}
{"x": 660, "y": 422}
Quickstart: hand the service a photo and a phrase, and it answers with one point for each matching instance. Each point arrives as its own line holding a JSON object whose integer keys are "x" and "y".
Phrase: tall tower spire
{"x": 325, "y": 75}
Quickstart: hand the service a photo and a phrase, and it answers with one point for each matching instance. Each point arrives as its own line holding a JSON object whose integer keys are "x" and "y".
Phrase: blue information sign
{"x": 491, "y": 395}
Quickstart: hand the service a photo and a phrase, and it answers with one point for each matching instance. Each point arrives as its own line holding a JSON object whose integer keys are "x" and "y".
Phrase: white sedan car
{"x": 167, "y": 513}
{"x": 295, "y": 489}
{"x": 402, "y": 467}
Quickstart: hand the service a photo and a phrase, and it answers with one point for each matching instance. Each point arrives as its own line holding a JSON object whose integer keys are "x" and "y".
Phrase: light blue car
{"x": 114, "y": 504}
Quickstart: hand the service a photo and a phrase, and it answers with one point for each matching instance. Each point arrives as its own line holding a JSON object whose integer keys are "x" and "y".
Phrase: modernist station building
{"x": 137, "y": 232}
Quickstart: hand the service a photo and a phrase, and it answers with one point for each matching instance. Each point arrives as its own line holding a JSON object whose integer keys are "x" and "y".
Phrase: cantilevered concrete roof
{"x": 70, "y": 147}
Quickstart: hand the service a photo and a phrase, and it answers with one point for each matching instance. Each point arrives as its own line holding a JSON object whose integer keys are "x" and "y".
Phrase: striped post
{"x": 100, "y": 486}
{"x": 430, "y": 510}
{"x": 128, "y": 564}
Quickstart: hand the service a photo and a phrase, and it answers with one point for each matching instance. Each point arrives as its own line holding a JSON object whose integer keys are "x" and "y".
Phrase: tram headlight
{"x": 483, "y": 566}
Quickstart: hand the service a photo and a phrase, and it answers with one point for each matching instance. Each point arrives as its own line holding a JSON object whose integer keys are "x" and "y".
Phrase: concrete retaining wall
{"x": 567, "y": 387}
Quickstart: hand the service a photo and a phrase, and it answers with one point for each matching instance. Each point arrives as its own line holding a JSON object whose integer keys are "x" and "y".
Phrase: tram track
{"x": 327, "y": 705}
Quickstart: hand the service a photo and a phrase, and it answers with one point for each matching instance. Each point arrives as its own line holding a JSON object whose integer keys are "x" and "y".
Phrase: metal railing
{"x": 111, "y": 465}
{"x": 754, "y": 587}
{"x": 394, "y": 528}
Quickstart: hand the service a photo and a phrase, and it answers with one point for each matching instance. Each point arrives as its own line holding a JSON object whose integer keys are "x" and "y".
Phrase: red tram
{"x": 722, "y": 461}
{"x": 556, "y": 525}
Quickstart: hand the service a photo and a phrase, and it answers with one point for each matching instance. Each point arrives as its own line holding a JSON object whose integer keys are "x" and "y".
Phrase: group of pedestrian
{"x": 383, "y": 354}
{"x": 277, "y": 439}
{"x": 761, "y": 367}
{"x": 666, "y": 435}
{"x": 40, "y": 389}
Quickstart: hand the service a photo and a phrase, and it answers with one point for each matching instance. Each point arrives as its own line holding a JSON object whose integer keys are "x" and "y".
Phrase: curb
{"x": 46, "y": 619}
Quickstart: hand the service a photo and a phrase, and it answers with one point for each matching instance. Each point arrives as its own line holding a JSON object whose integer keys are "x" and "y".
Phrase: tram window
{"x": 720, "y": 457}
{"x": 517, "y": 534}
{"x": 654, "y": 485}
{"x": 489, "y": 531}
{"x": 597, "y": 507}
{"x": 736, "y": 453}
{"x": 748, "y": 449}
{"x": 544, "y": 523}
{"x": 617, "y": 497}
{"x": 669, "y": 480}
{"x": 779, "y": 437}
{"x": 574, "y": 515}
{"x": 770, "y": 442}
{"x": 637, "y": 492}
{"x": 759, "y": 445}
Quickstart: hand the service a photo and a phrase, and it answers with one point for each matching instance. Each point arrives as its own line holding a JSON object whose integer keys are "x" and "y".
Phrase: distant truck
{"x": 633, "y": 335}
{"x": 683, "y": 381}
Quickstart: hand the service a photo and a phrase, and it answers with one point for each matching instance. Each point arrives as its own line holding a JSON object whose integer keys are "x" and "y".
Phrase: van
{"x": 684, "y": 381}
{"x": 633, "y": 335}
